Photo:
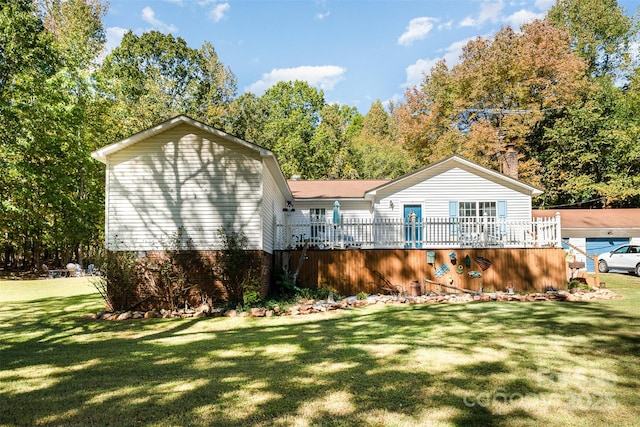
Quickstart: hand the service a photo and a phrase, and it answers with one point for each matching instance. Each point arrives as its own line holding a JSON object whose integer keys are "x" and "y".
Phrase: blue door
{"x": 413, "y": 226}
{"x": 599, "y": 245}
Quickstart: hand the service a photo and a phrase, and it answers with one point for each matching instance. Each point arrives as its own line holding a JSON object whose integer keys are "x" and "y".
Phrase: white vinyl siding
{"x": 434, "y": 193}
{"x": 350, "y": 209}
{"x": 273, "y": 203}
{"x": 184, "y": 177}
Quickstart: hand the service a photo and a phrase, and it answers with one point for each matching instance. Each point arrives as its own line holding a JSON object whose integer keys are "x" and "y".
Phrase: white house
{"x": 184, "y": 175}
{"x": 454, "y": 202}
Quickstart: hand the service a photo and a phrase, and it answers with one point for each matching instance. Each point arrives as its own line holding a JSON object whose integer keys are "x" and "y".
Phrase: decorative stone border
{"x": 319, "y": 306}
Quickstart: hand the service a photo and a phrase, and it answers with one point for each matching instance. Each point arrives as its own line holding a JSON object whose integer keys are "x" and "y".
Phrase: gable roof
{"x": 460, "y": 162}
{"x": 367, "y": 189}
{"x": 332, "y": 189}
{"x": 268, "y": 157}
{"x": 102, "y": 153}
{"x": 579, "y": 219}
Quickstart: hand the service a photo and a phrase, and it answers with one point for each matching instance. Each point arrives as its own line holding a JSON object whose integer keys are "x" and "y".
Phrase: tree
{"x": 498, "y": 93}
{"x": 247, "y": 118}
{"x": 154, "y": 77}
{"x": 292, "y": 114}
{"x": 600, "y": 31}
{"x": 377, "y": 151}
{"x": 78, "y": 34}
{"x": 53, "y": 189}
{"x": 27, "y": 63}
{"x": 217, "y": 88}
{"x": 590, "y": 151}
{"x": 77, "y": 29}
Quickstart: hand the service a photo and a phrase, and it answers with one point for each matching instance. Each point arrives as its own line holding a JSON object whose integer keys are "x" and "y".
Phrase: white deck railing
{"x": 428, "y": 233}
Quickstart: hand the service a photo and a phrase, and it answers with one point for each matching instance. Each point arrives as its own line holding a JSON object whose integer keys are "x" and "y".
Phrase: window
{"x": 479, "y": 221}
{"x": 467, "y": 210}
{"x": 317, "y": 217}
{"x": 477, "y": 210}
{"x": 478, "y": 216}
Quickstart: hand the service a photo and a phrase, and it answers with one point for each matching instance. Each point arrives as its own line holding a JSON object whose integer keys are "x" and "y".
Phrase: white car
{"x": 625, "y": 258}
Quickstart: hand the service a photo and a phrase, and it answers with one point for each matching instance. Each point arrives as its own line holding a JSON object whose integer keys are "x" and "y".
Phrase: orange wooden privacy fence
{"x": 353, "y": 271}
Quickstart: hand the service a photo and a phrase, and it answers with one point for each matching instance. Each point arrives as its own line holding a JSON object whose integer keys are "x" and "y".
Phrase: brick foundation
{"x": 199, "y": 272}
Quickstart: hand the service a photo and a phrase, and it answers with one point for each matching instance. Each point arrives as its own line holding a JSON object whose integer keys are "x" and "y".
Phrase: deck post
{"x": 558, "y": 242}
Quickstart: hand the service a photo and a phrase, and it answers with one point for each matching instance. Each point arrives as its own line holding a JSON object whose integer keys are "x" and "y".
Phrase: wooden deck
{"x": 355, "y": 270}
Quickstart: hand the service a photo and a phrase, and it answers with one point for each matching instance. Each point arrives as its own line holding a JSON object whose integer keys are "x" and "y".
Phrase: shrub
{"x": 577, "y": 284}
{"x": 362, "y": 295}
{"x": 235, "y": 267}
{"x": 116, "y": 281}
{"x": 284, "y": 286}
{"x": 166, "y": 278}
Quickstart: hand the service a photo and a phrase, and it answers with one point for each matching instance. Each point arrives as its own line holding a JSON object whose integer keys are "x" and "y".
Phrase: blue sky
{"x": 356, "y": 51}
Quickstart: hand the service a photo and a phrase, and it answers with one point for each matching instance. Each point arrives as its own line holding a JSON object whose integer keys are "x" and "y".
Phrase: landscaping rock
{"x": 257, "y": 312}
{"x": 320, "y": 306}
{"x": 124, "y": 316}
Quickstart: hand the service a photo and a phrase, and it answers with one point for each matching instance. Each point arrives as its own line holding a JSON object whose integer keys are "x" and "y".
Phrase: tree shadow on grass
{"x": 467, "y": 364}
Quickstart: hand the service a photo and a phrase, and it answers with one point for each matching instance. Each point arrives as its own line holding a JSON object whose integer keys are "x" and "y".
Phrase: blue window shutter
{"x": 453, "y": 216}
{"x": 502, "y": 216}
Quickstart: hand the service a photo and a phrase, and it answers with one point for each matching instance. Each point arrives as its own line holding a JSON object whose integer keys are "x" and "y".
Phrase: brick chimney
{"x": 510, "y": 166}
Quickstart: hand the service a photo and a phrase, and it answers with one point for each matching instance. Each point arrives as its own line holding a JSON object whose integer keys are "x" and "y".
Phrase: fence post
{"x": 558, "y": 230}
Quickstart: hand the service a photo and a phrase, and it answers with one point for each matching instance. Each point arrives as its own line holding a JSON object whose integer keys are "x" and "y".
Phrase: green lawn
{"x": 485, "y": 364}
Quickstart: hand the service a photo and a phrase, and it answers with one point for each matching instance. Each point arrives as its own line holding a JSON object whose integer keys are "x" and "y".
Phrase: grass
{"x": 485, "y": 364}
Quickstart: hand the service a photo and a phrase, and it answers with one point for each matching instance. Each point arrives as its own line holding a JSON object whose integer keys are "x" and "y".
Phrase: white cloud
{"x": 545, "y": 4}
{"x": 321, "y": 16}
{"x": 114, "y": 37}
{"x": 218, "y": 12}
{"x": 489, "y": 12}
{"x": 417, "y": 71}
{"x": 176, "y": 2}
{"x": 522, "y": 16}
{"x": 417, "y": 29}
{"x": 148, "y": 15}
{"x": 422, "y": 67}
{"x": 324, "y": 76}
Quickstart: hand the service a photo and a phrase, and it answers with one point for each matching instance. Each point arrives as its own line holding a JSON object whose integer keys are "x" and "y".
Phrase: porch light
{"x": 289, "y": 207}
{"x": 391, "y": 204}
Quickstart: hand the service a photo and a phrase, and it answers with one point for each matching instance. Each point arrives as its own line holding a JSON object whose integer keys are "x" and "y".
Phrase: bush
{"x": 362, "y": 295}
{"x": 166, "y": 278}
{"x": 284, "y": 286}
{"x": 235, "y": 267}
{"x": 575, "y": 284}
{"x": 116, "y": 281}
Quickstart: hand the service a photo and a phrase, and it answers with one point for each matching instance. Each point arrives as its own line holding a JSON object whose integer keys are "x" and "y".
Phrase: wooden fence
{"x": 352, "y": 271}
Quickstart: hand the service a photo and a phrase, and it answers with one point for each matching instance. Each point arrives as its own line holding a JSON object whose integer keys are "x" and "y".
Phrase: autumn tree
{"x": 589, "y": 148}
{"x": 497, "y": 94}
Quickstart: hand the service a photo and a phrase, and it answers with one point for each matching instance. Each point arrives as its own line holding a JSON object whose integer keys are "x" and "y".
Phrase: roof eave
{"x": 103, "y": 153}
